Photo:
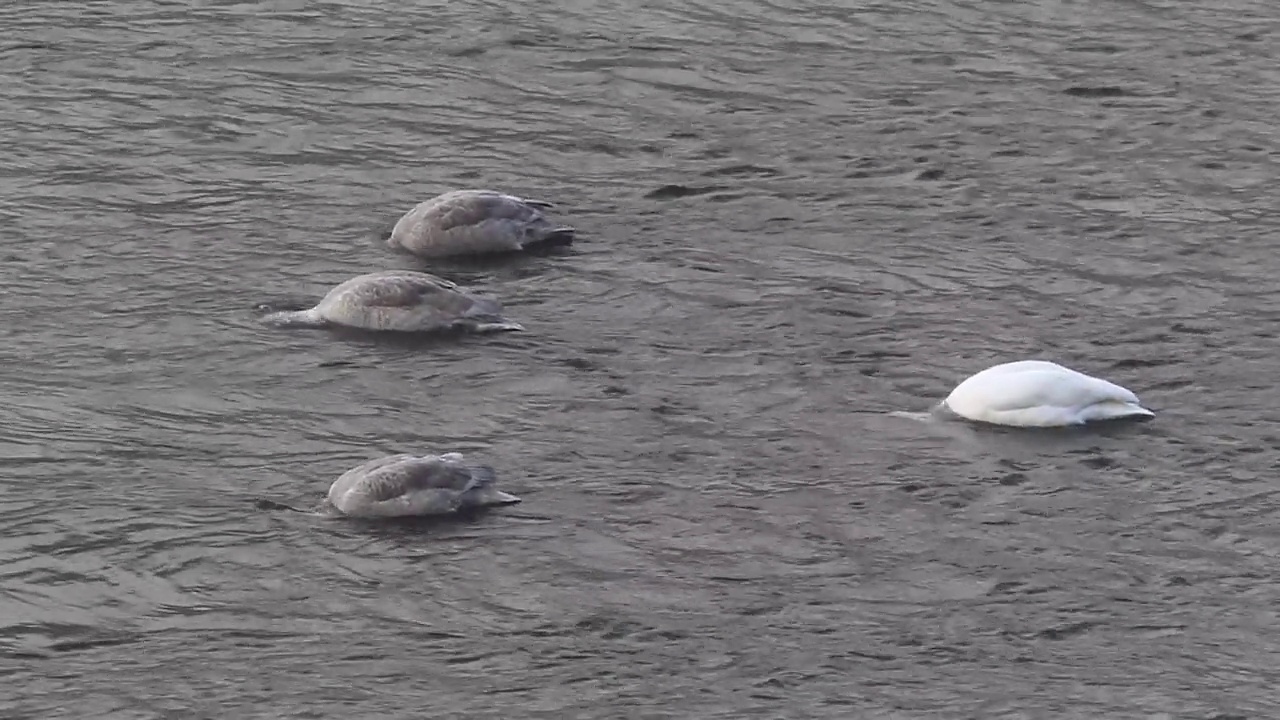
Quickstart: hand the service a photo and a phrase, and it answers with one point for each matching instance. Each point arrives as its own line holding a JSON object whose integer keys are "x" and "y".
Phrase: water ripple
{"x": 794, "y": 218}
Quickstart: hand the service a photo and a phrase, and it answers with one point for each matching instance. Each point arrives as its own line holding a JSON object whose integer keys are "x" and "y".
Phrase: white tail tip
{"x": 497, "y": 497}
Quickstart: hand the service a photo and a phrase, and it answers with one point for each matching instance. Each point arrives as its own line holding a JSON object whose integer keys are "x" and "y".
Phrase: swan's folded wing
{"x": 1052, "y": 388}
{"x": 399, "y": 290}
{"x": 449, "y": 304}
{"x": 1100, "y": 390}
{"x": 472, "y": 209}
{"x": 414, "y": 475}
{"x": 357, "y": 474}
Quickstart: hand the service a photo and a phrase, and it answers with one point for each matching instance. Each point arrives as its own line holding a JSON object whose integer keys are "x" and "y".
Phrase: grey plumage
{"x": 400, "y": 301}
{"x": 476, "y": 222}
{"x": 403, "y": 485}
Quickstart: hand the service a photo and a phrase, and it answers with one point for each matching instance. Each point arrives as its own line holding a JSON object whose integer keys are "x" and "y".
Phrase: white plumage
{"x": 1037, "y": 393}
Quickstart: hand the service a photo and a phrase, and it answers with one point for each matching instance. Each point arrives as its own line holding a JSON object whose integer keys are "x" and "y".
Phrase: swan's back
{"x": 470, "y": 222}
{"x": 402, "y": 485}
{"x": 1037, "y": 393}
{"x": 357, "y": 478}
{"x": 406, "y": 301}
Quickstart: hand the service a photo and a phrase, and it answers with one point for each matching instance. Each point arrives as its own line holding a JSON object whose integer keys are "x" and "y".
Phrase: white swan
{"x": 399, "y": 301}
{"x": 409, "y": 485}
{"x": 1037, "y": 393}
{"x": 476, "y": 222}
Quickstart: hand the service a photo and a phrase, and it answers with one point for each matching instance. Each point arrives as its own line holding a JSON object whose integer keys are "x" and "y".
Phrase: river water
{"x": 795, "y": 219}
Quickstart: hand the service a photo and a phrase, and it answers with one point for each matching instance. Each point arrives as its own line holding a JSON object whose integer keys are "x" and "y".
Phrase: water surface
{"x": 795, "y": 220}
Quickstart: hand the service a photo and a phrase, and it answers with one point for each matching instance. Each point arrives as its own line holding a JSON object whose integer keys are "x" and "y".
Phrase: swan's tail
{"x": 482, "y": 490}
{"x": 485, "y": 315}
{"x": 537, "y": 203}
{"x": 494, "y": 326}
{"x": 553, "y": 237}
{"x": 494, "y": 496}
{"x": 1117, "y": 411}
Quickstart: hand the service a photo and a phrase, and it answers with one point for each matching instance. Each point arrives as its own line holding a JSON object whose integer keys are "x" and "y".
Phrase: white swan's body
{"x": 1036, "y": 393}
{"x": 475, "y": 222}
{"x": 400, "y": 301}
{"x": 409, "y": 485}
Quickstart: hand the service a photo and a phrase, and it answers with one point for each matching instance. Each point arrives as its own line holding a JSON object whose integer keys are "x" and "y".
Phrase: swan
{"x": 1038, "y": 393}
{"x": 399, "y": 301}
{"x": 476, "y": 222}
{"x": 411, "y": 485}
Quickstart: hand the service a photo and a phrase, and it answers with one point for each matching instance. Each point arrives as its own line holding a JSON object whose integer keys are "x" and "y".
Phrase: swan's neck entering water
{"x": 295, "y": 318}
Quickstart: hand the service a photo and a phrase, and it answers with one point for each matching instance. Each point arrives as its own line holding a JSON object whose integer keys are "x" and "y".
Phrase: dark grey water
{"x": 796, "y": 218}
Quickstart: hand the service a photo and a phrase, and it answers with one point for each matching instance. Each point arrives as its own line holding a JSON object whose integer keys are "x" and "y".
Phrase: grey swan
{"x": 476, "y": 222}
{"x": 399, "y": 301}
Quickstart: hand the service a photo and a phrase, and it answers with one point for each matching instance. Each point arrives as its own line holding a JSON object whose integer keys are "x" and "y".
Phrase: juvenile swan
{"x": 476, "y": 222}
{"x": 405, "y": 485}
{"x": 1036, "y": 393}
{"x": 400, "y": 301}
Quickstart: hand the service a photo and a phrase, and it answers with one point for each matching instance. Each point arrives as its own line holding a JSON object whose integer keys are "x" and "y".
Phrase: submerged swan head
{"x": 308, "y": 318}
